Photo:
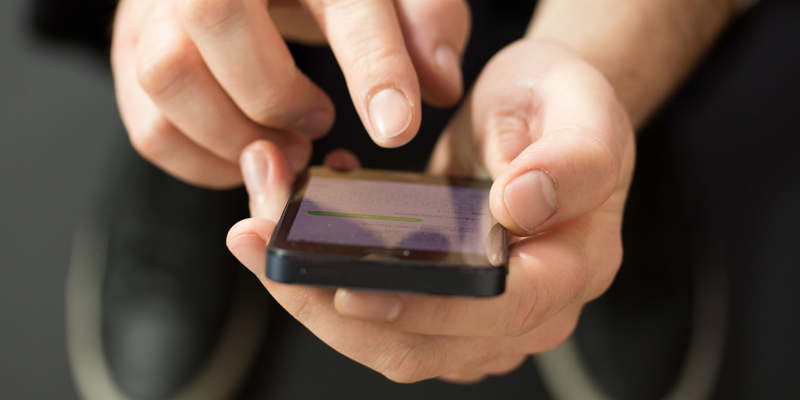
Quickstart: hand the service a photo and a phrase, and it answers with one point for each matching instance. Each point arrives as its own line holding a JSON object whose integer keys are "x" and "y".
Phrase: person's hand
{"x": 548, "y": 127}
{"x": 198, "y": 80}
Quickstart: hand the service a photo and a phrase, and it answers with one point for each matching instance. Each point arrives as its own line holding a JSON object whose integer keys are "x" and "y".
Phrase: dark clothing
{"x": 84, "y": 22}
{"x": 718, "y": 170}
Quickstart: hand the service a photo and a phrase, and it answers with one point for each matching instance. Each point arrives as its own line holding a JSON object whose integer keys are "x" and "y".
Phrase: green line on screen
{"x": 364, "y": 216}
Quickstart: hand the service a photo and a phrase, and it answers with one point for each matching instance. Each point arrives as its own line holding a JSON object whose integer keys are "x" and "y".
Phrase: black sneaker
{"x": 629, "y": 347}
{"x": 659, "y": 331}
{"x": 157, "y": 307}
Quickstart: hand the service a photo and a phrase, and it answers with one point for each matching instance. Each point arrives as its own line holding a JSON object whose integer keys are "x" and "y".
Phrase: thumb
{"x": 268, "y": 178}
{"x": 553, "y": 134}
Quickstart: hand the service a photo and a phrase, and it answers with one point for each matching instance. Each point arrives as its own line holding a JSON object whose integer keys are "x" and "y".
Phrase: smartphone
{"x": 389, "y": 230}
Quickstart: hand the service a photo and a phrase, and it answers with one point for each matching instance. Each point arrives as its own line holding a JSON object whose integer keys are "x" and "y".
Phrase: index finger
{"x": 368, "y": 43}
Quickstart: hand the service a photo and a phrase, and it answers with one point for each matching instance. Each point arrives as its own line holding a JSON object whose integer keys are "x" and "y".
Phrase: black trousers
{"x": 717, "y": 180}
{"x": 718, "y": 175}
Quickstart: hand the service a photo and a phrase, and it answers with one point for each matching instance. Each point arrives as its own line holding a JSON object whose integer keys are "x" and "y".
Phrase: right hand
{"x": 198, "y": 80}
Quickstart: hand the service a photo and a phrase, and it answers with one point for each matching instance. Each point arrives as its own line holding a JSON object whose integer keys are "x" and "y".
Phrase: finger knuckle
{"x": 531, "y": 309}
{"x": 150, "y": 140}
{"x": 163, "y": 69}
{"x": 604, "y": 158}
{"x": 458, "y": 9}
{"x": 321, "y": 7}
{"x": 368, "y": 55}
{"x": 210, "y": 14}
{"x": 457, "y": 14}
{"x": 276, "y": 102}
{"x": 318, "y": 5}
{"x": 546, "y": 297}
{"x": 609, "y": 265}
{"x": 556, "y": 337}
{"x": 597, "y": 165}
{"x": 373, "y": 56}
{"x": 504, "y": 365}
{"x": 408, "y": 361}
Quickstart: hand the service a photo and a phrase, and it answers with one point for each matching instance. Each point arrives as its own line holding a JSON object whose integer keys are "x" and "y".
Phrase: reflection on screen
{"x": 393, "y": 215}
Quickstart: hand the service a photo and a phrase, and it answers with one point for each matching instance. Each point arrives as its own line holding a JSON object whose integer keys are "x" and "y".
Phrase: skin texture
{"x": 203, "y": 84}
{"x": 557, "y": 114}
{"x": 645, "y": 48}
{"x": 197, "y": 80}
{"x": 413, "y": 337}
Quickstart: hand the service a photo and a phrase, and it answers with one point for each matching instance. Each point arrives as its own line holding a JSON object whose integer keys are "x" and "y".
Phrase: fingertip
{"x": 320, "y": 112}
{"x": 504, "y": 365}
{"x": 442, "y": 83}
{"x": 436, "y": 35}
{"x": 271, "y": 154}
{"x": 449, "y": 64}
{"x": 246, "y": 249}
{"x": 339, "y": 299}
{"x": 380, "y": 74}
{"x": 254, "y": 171}
{"x": 524, "y": 201}
{"x": 531, "y": 199}
{"x": 368, "y": 306}
{"x": 393, "y": 117}
{"x": 268, "y": 177}
{"x": 251, "y": 227}
{"x": 341, "y": 160}
{"x": 247, "y": 241}
{"x": 315, "y": 124}
{"x": 298, "y": 153}
{"x": 236, "y": 230}
{"x": 463, "y": 378}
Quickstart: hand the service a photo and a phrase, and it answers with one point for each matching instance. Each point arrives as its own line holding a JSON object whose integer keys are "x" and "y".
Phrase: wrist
{"x": 644, "y": 49}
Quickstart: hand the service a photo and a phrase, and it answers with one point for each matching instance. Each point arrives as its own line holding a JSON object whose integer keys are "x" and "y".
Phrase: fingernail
{"x": 531, "y": 199}
{"x": 389, "y": 113}
{"x": 315, "y": 124}
{"x": 370, "y": 306}
{"x": 447, "y": 60}
{"x": 254, "y": 170}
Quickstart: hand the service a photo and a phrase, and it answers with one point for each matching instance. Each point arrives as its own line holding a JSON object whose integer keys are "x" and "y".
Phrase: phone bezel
{"x": 334, "y": 265}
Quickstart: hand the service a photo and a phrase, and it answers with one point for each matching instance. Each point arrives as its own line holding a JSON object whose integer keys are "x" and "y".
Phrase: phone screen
{"x": 408, "y": 216}
{"x": 396, "y": 215}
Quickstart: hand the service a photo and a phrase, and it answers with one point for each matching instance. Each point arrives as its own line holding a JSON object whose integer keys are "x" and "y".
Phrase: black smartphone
{"x": 389, "y": 230}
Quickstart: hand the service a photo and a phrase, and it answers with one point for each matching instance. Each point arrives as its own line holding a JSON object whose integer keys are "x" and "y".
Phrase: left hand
{"x": 548, "y": 127}
{"x": 198, "y": 80}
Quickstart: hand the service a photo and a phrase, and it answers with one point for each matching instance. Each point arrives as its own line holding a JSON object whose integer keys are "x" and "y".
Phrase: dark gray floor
{"x": 57, "y": 111}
